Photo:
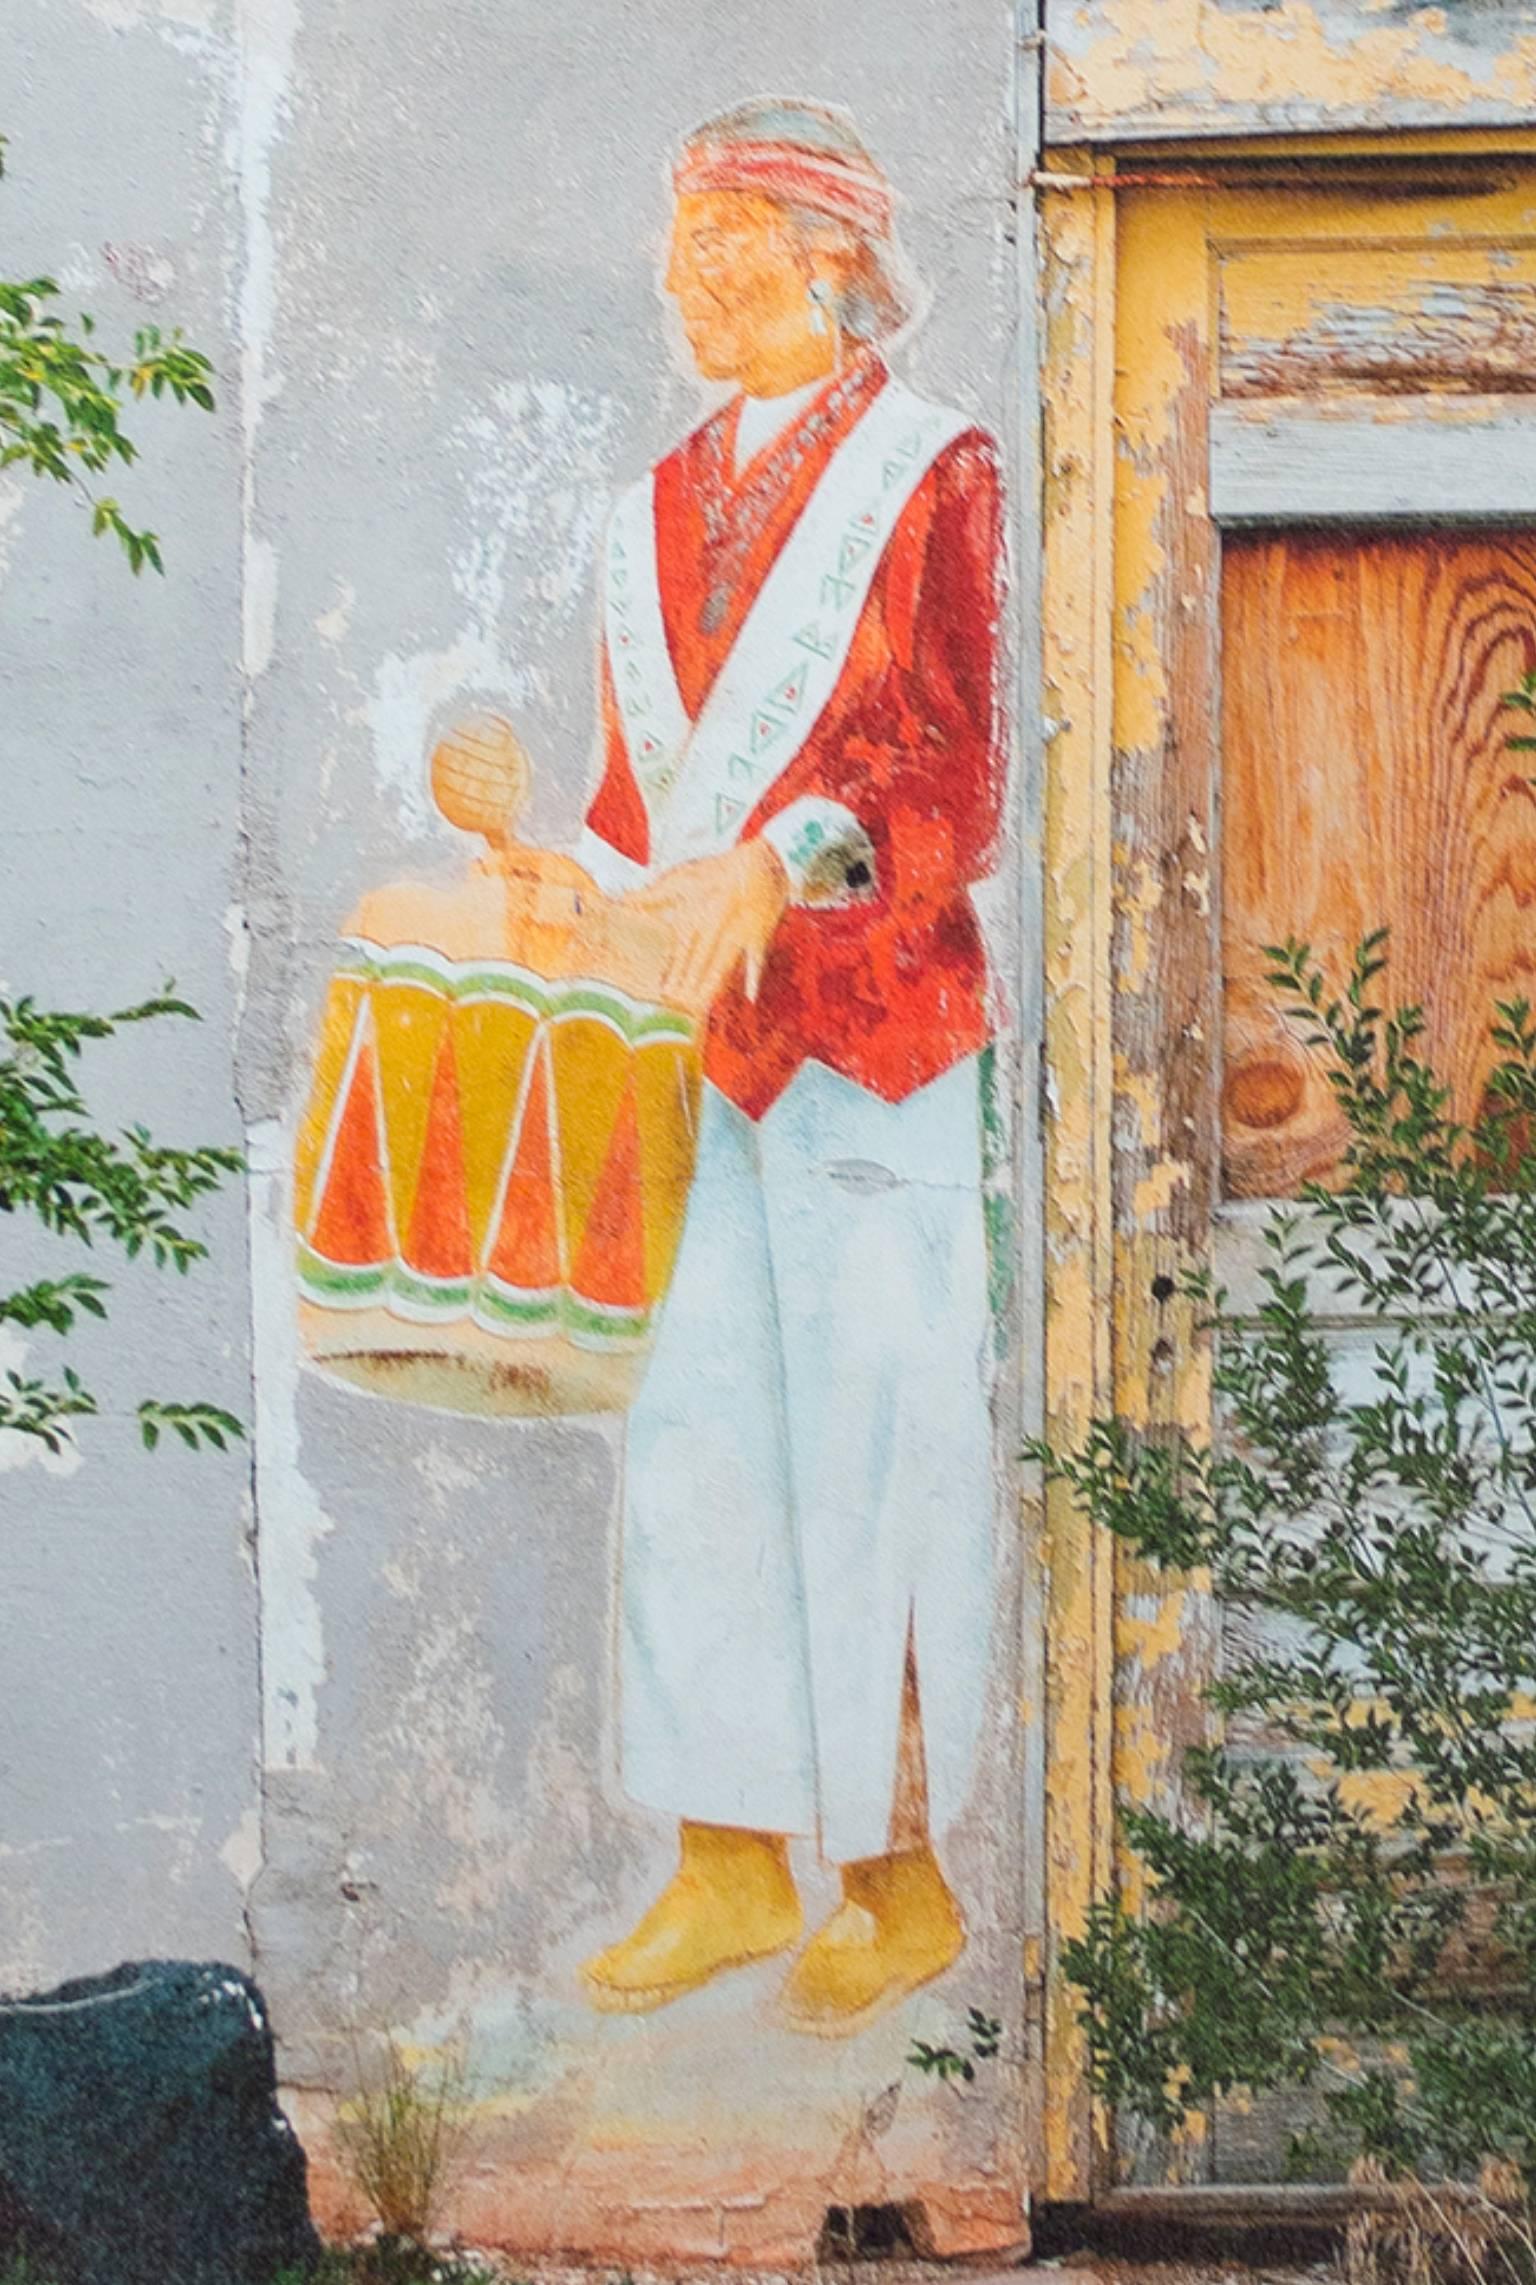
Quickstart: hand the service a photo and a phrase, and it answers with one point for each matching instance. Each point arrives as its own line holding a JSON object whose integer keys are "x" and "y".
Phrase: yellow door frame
{"x": 1130, "y": 285}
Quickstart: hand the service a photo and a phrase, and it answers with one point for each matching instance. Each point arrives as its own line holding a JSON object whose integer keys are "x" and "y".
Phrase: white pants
{"x": 809, "y": 1469}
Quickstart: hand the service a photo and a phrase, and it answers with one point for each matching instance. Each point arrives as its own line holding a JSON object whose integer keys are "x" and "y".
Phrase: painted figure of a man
{"x": 803, "y": 774}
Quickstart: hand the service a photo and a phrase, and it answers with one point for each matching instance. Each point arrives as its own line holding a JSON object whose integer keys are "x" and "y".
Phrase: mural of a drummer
{"x": 688, "y": 1123}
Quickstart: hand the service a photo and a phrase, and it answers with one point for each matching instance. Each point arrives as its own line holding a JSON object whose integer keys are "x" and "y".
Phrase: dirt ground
{"x": 1077, "y": 2268}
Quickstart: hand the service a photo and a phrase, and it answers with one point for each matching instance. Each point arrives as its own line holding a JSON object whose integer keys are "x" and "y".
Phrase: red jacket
{"x": 890, "y": 991}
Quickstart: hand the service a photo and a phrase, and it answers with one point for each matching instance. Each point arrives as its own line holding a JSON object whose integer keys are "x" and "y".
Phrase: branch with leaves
{"x": 1351, "y": 1870}
{"x": 947, "y": 2064}
{"x": 62, "y": 399}
{"x": 60, "y": 402}
{"x": 125, "y": 1190}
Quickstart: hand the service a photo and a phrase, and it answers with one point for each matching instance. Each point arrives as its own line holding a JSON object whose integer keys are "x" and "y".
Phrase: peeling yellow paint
{"x": 1381, "y": 1795}
{"x": 1151, "y": 1638}
{"x": 1141, "y": 1751}
{"x": 1141, "y": 1092}
{"x": 1162, "y": 269}
{"x": 1458, "y": 315}
{"x": 1078, "y": 280}
{"x": 1185, "y": 63}
{"x": 1155, "y": 1190}
{"x": 1138, "y": 902}
{"x": 1134, "y": 321}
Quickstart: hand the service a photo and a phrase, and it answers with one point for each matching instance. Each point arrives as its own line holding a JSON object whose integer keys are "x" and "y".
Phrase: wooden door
{"x": 1286, "y": 578}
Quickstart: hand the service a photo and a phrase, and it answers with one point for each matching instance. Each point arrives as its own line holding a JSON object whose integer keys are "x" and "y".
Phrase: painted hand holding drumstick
{"x": 682, "y": 937}
{"x": 552, "y": 918}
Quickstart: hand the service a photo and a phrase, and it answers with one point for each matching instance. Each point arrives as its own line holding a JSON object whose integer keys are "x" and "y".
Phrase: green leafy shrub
{"x": 1378, "y": 1527}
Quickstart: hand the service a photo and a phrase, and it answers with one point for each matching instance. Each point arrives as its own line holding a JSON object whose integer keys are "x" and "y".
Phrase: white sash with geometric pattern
{"x": 700, "y": 780}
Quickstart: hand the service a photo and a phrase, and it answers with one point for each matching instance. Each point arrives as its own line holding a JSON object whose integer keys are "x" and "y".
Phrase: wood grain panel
{"x": 1368, "y": 782}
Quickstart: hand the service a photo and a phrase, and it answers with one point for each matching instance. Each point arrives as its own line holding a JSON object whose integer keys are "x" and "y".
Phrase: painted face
{"x": 739, "y": 279}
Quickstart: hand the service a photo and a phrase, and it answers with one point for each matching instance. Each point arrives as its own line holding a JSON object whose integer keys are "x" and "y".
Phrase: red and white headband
{"x": 826, "y": 184}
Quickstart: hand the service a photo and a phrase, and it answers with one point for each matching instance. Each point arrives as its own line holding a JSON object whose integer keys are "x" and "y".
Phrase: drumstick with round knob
{"x": 555, "y": 912}
{"x": 558, "y": 920}
{"x": 481, "y": 778}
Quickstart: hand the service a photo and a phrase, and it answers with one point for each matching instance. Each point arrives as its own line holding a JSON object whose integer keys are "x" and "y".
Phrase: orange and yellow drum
{"x": 493, "y": 1168}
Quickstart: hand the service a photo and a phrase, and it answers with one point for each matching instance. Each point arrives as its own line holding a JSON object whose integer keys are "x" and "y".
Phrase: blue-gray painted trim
{"x": 1392, "y": 461}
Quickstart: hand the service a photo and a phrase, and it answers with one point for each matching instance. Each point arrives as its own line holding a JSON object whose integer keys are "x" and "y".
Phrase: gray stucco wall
{"x": 128, "y": 1722}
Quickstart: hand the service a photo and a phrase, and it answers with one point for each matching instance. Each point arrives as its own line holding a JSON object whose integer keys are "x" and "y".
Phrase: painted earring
{"x": 816, "y": 294}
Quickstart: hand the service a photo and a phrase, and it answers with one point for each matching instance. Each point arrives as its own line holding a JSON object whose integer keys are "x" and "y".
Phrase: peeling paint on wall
{"x": 1193, "y": 67}
{"x": 266, "y": 33}
{"x": 450, "y": 1848}
{"x": 533, "y": 465}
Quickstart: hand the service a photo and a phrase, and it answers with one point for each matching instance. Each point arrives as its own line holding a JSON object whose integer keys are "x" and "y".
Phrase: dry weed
{"x": 1422, "y": 2233}
{"x": 401, "y": 2137}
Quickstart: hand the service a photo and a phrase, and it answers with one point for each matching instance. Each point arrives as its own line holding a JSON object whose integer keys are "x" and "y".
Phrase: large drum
{"x": 493, "y": 1168}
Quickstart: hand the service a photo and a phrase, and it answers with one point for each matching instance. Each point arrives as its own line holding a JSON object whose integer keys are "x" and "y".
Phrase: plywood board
{"x": 1368, "y": 782}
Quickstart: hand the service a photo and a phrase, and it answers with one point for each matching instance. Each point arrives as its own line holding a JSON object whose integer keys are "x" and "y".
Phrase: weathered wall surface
{"x": 426, "y": 263}
{"x": 347, "y": 1713}
{"x": 1124, "y": 69}
{"x": 467, "y": 352}
{"x": 128, "y": 1721}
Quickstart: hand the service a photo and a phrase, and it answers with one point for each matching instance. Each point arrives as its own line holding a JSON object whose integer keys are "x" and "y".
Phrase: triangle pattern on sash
{"x": 352, "y": 1225}
{"x": 789, "y": 695}
{"x": 789, "y": 651}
